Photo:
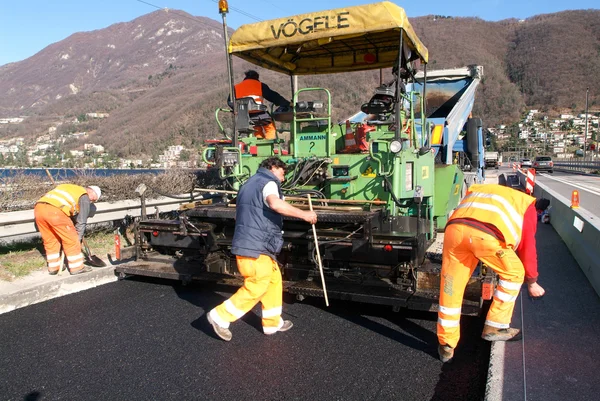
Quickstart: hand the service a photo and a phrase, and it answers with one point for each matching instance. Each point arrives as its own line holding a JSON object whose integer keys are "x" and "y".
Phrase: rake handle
{"x": 314, "y": 229}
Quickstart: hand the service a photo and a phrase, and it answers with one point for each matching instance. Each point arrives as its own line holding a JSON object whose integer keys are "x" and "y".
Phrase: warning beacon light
{"x": 223, "y": 7}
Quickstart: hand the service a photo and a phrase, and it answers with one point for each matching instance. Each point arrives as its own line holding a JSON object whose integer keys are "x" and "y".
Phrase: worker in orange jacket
{"x": 252, "y": 87}
{"x": 496, "y": 225}
{"x": 61, "y": 216}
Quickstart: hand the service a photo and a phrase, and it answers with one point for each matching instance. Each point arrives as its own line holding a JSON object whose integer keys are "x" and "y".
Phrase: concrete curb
{"x": 39, "y": 287}
{"x": 495, "y": 381}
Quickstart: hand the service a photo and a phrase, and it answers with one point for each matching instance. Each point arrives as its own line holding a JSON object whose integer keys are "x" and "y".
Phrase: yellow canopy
{"x": 345, "y": 39}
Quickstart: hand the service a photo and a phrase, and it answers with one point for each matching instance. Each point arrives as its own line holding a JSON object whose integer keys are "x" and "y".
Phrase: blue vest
{"x": 257, "y": 227}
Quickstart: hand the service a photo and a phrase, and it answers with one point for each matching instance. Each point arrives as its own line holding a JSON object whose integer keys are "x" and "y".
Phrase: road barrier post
{"x": 530, "y": 181}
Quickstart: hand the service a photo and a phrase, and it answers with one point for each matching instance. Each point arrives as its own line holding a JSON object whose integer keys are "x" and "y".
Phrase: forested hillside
{"x": 162, "y": 76}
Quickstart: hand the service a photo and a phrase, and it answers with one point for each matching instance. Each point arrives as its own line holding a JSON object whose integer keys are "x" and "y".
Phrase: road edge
{"x": 63, "y": 285}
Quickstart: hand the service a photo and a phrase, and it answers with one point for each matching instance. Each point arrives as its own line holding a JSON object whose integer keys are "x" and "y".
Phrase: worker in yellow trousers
{"x": 495, "y": 225}
{"x": 61, "y": 217}
{"x": 260, "y": 207}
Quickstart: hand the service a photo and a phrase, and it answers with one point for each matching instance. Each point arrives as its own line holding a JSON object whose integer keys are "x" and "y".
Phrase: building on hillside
{"x": 93, "y": 147}
{"x": 12, "y": 120}
{"x": 97, "y": 115}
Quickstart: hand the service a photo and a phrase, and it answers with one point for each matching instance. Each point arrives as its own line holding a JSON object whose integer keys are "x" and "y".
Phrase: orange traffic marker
{"x": 117, "y": 246}
{"x": 575, "y": 199}
{"x": 349, "y": 138}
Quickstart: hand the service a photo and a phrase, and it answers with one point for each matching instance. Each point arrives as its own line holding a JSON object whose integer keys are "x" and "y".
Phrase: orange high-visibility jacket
{"x": 500, "y": 206}
{"x": 250, "y": 88}
{"x": 65, "y": 197}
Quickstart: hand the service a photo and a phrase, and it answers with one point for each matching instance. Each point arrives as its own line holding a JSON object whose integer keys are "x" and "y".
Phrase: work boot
{"x": 446, "y": 353}
{"x": 53, "y": 273}
{"x": 287, "y": 324}
{"x": 223, "y": 333}
{"x": 494, "y": 334}
{"x": 85, "y": 269}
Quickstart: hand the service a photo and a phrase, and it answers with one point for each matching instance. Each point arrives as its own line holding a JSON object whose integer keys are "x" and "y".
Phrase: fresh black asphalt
{"x": 143, "y": 339}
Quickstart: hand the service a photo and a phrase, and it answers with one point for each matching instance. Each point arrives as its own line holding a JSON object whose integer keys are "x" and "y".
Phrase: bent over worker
{"x": 256, "y": 242}
{"x": 252, "y": 87}
{"x": 496, "y": 225}
{"x": 61, "y": 216}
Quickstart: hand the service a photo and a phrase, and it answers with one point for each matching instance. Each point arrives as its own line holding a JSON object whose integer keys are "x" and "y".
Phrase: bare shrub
{"x": 21, "y": 191}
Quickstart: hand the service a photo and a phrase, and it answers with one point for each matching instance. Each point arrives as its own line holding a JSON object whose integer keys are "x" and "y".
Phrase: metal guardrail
{"x": 14, "y": 224}
{"x": 584, "y": 165}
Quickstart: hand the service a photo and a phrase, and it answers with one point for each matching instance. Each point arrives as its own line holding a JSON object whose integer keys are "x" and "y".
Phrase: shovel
{"x": 92, "y": 260}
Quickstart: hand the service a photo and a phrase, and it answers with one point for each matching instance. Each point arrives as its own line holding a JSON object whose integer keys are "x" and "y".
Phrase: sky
{"x": 28, "y": 26}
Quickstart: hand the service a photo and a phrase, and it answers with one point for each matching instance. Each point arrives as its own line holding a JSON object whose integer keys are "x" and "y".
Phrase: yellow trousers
{"x": 464, "y": 246}
{"x": 262, "y": 283}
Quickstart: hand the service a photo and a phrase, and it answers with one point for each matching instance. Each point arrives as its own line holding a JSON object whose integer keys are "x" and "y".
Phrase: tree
{"x": 184, "y": 155}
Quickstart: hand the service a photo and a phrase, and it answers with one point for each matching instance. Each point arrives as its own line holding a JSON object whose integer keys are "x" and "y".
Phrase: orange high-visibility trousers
{"x": 266, "y": 131}
{"x": 262, "y": 283}
{"x": 463, "y": 247}
{"x": 58, "y": 230}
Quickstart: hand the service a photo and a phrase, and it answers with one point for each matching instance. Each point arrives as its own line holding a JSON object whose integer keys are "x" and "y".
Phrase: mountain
{"x": 162, "y": 76}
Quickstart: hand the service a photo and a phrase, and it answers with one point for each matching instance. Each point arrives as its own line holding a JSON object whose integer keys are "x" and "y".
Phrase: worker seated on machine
{"x": 381, "y": 104}
{"x": 250, "y": 95}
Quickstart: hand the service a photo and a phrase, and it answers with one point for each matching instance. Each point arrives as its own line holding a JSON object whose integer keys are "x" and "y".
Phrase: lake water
{"x": 62, "y": 173}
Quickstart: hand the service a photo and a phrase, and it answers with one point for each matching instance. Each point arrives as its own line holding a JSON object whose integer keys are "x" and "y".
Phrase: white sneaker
{"x": 223, "y": 333}
{"x": 287, "y": 324}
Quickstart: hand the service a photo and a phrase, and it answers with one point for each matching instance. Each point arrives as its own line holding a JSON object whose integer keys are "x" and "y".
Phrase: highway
{"x": 148, "y": 339}
{"x": 143, "y": 339}
{"x": 565, "y": 183}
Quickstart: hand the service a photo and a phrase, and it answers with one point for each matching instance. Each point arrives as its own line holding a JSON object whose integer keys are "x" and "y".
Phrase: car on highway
{"x": 526, "y": 163}
{"x": 543, "y": 163}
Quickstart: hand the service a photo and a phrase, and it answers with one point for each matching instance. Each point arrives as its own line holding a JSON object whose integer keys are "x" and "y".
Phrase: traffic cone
{"x": 575, "y": 199}
{"x": 349, "y": 137}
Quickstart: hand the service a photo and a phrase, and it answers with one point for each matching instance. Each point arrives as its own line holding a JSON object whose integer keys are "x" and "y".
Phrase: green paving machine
{"x": 383, "y": 180}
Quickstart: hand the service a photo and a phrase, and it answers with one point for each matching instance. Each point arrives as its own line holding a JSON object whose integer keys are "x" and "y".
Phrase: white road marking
{"x": 571, "y": 184}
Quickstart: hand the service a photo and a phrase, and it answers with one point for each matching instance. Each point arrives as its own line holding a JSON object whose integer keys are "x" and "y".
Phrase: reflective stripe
{"x": 66, "y": 195}
{"x": 450, "y": 311}
{"x": 214, "y": 315}
{"x": 510, "y": 285}
{"x": 497, "y": 325}
{"x": 230, "y": 307}
{"x": 58, "y": 198}
{"x": 74, "y": 265}
{"x": 53, "y": 264}
{"x": 516, "y": 217}
{"x": 257, "y": 99}
{"x": 448, "y": 323}
{"x": 52, "y": 256}
{"x": 271, "y": 312}
{"x": 499, "y": 212}
{"x": 273, "y": 329}
{"x": 75, "y": 258}
{"x": 504, "y": 297}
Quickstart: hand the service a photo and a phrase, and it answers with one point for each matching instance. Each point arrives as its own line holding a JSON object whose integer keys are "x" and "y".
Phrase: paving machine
{"x": 383, "y": 181}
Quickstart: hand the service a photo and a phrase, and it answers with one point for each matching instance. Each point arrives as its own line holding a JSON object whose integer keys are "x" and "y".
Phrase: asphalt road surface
{"x": 144, "y": 339}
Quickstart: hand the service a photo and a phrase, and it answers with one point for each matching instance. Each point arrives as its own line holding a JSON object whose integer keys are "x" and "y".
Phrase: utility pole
{"x": 587, "y": 92}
